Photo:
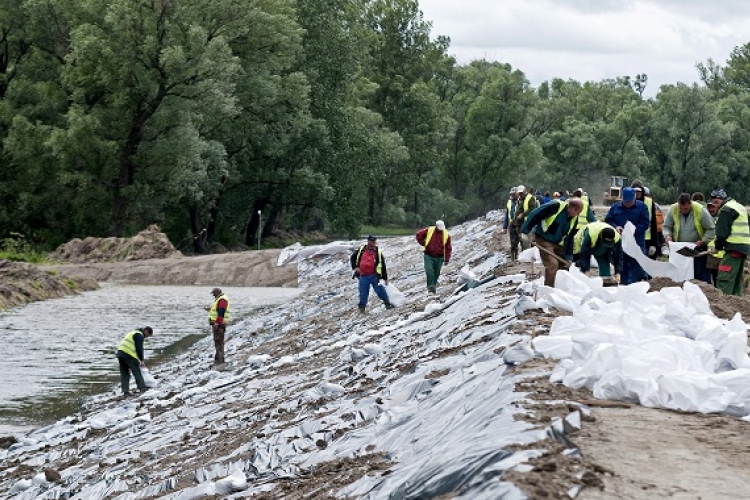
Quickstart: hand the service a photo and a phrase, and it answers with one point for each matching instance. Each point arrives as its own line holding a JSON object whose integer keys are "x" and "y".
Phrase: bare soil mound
{"x": 21, "y": 283}
{"x": 150, "y": 243}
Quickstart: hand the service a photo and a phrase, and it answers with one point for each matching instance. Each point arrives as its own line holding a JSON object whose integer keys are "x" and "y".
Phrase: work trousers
{"x": 515, "y": 240}
{"x": 129, "y": 364}
{"x": 700, "y": 271}
{"x": 731, "y": 271}
{"x": 632, "y": 272}
{"x": 432, "y": 267}
{"x": 219, "y": 331}
{"x": 365, "y": 282}
{"x": 551, "y": 264}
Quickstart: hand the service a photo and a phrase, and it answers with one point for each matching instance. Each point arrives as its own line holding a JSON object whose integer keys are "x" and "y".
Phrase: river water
{"x": 57, "y": 352}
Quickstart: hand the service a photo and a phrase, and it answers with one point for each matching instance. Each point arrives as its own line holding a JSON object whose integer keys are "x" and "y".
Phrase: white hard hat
{"x": 521, "y": 189}
{"x": 440, "y": 225}
{"x": 513, "y": 190}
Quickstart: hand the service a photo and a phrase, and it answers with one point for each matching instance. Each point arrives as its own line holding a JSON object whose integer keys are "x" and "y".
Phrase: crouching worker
{"x": 131, "y": 358}
{"x": 369, "y": 268}
{"x": 601, "y": 241}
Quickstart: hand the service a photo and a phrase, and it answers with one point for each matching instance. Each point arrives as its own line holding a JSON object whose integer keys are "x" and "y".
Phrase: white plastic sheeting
{"x": 661, "y": 349}
{"x": 679, "y": 267}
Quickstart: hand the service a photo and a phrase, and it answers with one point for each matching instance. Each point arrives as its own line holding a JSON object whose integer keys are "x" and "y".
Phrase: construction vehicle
{"x": 614, "y": 193}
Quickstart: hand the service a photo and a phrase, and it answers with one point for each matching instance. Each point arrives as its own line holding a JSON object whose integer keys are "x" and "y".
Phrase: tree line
{"x": 227, "y": 119}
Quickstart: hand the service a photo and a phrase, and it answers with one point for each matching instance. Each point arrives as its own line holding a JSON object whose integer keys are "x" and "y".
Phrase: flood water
{"x": 56, "y": 352}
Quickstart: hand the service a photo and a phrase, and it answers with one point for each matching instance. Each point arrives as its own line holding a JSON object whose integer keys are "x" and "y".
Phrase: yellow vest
{"x": 128, "y": 344}
{"x": 430, "y": 232}
{"x": 650, "y": 205}
{"x": 583, "y": 217}
{"x": 740, "y": 232}
{"x": 214, "y": 312}
{"x": 379, "y": 267}
{"x": 712, "y": 243}
{"x": 526, "y": 205}
{"x": 697, "y": 210}
{"x": 594, "y": 230}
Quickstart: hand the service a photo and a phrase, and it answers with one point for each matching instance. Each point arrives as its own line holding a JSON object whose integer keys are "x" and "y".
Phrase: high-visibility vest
{"x": 546, "y": 223}
{"x": 712, "y": 244}
{"x": 511, "y": 209}
{"x": 740, "y": 231}
{"x": 379, "y": 267}
{"x": 594, "y": 230}
{"x": 527, "y": 205}
{"x": 697, "y": 210}
{"x": 214, "y": 312}
{"x": 128, "y": 344}
{"x": 650, "y": 205}
{"x": 430, "y": 232}
{"x": 582, "y": 219}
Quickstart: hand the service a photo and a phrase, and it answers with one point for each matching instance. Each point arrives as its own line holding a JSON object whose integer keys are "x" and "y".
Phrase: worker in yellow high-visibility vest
{"x": 131, "y": 358}
{"x": 218, "y": 317}
{"x": 732, "y": 236}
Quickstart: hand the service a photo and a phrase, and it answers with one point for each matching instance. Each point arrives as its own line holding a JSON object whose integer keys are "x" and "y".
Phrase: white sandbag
{"x": 395, "y": 296}
{"x": 148, "y": 379}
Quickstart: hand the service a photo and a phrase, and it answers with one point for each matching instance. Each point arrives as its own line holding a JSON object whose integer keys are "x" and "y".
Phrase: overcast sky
{"x": 592, "y": 40}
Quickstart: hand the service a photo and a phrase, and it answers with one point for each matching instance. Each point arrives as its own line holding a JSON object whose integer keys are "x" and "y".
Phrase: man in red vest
{"x": 369, "y": 267}
{"x": 436, "y": 243}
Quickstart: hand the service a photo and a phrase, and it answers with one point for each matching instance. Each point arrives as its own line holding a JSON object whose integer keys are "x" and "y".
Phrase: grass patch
{"x": 70, "y": 284}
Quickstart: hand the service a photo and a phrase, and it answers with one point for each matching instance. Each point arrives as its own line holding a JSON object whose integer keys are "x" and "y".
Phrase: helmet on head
{"x": 521, "y": 189}
{"x": 513, "y": 190}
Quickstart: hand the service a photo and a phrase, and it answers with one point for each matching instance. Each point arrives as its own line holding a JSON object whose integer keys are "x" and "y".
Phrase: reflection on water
{"x": 57, "y": 351}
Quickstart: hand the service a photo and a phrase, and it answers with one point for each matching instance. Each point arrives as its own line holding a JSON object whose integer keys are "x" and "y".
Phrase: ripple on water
{"x": 60, "y": 350}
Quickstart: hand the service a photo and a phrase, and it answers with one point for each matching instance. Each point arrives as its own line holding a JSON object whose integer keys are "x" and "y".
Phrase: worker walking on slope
{"x": 601, "y": 241}
{"x": 436, "y": 243}
{"x": 218, "y": 317}
{"x": 369, "y": 267}
{"x": 689, "y": 221}
{"x": 509, "y": 223}
{"x": 131, "y": 357}
{"x": 732, "y": 236}
{"x": 552, "y": 224}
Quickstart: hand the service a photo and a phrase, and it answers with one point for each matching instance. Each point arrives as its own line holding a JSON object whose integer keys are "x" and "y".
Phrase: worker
{"x": 689, "y": 221}
{"x": 601, "y": 241}
{"x": 526, "y": 203}
{"x": 218, "y": 317}
{"x": 369, "y": 268}
{"x": 652, "y": 235}
{"x": 131, "y": 358}
{"x": 509, "y": 224}
{"x": 629, "y": 209}
{"x": 732, "y": 236}
{"x": 714, "y": 256}
{"x": 552, "y": 224}
{"x": 436, "y": 244}
{"x": 587, "y": 215}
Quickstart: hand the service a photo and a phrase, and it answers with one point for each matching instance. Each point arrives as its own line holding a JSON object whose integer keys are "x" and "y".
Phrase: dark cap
{"x": 719, "y": 193}
{"x": 215, "y": 291}
{"x": 608, "y": 237}
{"x": 372, "y": 238}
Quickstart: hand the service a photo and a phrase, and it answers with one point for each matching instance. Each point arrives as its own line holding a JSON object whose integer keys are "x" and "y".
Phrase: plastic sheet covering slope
{"x": 423, "y": 386}
{"x": 661, "y": 349}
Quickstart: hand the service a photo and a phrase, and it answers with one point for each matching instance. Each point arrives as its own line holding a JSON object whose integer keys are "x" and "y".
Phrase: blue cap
{"x": 628, "y": 194}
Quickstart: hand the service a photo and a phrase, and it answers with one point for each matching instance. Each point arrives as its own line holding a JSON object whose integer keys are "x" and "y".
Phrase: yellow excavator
{"x": 614, "y": 193}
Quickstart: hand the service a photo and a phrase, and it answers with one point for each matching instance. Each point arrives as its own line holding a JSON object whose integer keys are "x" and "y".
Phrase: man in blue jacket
{"x": 636, "y": 212}
{"x": 552, "y": 224}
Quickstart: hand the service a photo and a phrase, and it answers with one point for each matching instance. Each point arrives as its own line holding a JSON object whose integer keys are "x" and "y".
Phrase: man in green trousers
{"x": 436, "y": 243}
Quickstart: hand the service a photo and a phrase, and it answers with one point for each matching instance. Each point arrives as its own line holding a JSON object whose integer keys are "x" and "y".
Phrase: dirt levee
{"x": 150, "y": 243}
{"x": 21, "y": 283}
{"x": 249, "y": 268}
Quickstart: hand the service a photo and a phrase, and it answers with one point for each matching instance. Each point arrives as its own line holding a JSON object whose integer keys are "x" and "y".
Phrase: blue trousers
{"x": 632, "y": 271}
{"x": 365, "y": 282}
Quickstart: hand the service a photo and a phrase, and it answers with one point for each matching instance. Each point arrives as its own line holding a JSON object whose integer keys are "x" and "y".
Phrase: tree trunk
{"x": 196, "y": 229}
{"x": 251, "y": 229}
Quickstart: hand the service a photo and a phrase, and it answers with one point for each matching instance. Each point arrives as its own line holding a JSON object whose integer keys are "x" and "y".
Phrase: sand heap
{"x": 150, "y": 243}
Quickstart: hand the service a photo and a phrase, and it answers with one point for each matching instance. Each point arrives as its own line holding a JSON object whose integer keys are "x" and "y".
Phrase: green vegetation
{"x": 217, "y": 119}
{"x": 70, "y": 284}
{"x": 386, "y": 231}
{"x": 16, "y": 248}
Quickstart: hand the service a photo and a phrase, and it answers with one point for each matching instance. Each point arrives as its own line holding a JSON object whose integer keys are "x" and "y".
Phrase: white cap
{"x": 513, "y": 190}
{"x": 440, "y": 225}
{"x": 521, "y": 188}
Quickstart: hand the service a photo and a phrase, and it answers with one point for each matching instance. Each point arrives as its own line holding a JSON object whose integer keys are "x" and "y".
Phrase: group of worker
{"x": 370, "y": 269}
{"x": 130, "y": 353}
{"x": 567, "y": 231}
